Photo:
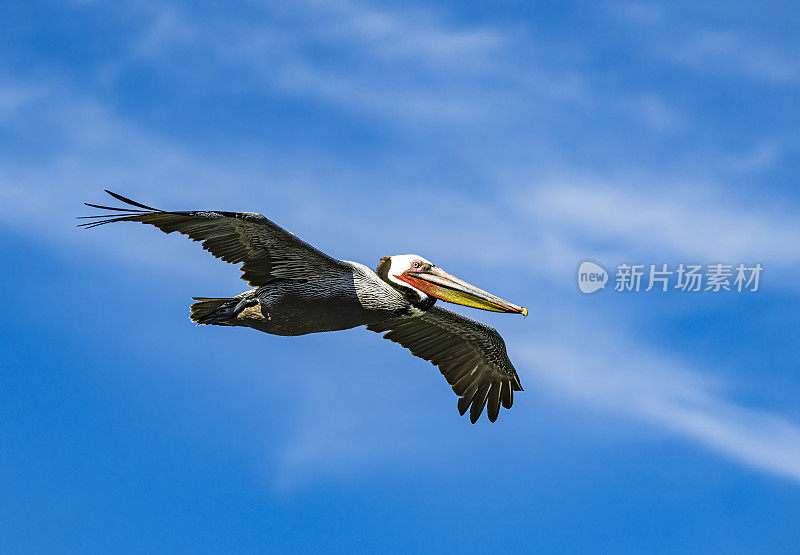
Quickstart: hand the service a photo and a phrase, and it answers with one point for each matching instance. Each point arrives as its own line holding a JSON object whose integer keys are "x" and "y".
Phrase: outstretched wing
{"x": 265, "y": 250}
{"x": 471, "y": 356}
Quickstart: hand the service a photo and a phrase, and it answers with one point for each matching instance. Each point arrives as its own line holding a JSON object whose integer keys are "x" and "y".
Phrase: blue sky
{"x": 506, "y": 142}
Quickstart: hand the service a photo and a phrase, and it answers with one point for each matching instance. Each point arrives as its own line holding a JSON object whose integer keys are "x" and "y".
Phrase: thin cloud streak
{"x": 675, "y": 218}
{"x": 707, "y": 43}
{"x": 728, "y": 52}
{"x": 380, "y": 46}
{"x": 403, "y": 66}
{"x": 611, "y": 375}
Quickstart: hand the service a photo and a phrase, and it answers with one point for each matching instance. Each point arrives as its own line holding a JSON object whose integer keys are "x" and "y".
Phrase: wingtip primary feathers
{"x": 491, "y": 395}
{"x": 129, "y": 201}
{"x": 122, "y": 213}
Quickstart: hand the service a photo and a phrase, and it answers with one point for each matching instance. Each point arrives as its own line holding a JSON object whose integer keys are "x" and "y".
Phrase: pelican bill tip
{"x": 524, "y": 312}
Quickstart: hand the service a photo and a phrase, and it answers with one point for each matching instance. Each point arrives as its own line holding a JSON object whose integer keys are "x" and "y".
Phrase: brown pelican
{"x": 298, "y": 289}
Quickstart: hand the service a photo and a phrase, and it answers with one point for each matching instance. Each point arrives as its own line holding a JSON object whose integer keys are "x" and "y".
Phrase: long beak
{"x": 438, "y": 283}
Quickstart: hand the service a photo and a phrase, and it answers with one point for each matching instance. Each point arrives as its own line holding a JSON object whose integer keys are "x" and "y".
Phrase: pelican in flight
{"x": 298, "y": 289}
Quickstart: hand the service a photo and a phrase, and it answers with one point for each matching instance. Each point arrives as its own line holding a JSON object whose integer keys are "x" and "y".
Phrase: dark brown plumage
{"x": 471, "y": 356}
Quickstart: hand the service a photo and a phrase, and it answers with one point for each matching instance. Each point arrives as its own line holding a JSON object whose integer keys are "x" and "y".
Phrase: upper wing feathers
{"x": 470, "y": 355}
{"x": 265, "y": 250}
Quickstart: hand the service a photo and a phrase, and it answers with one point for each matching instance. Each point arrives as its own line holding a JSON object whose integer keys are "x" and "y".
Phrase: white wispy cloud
{"x": 409, "y": 66}
{"x": 412, "y": 34}
{"x": 726, "y": 51}
{"x": 679, "y": 218}
{"x": 300, "y": 49}
{"x": 708, "y": 40}
{"x": 600, "y": 369}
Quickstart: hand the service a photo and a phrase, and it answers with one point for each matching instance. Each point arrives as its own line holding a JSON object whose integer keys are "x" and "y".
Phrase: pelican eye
{"x": 416, "y": 264}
